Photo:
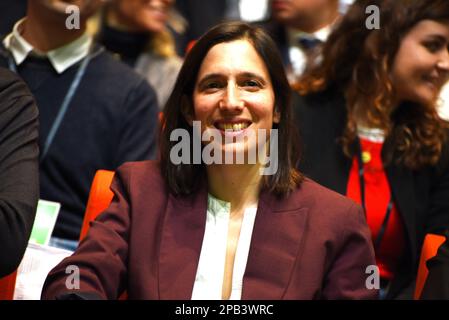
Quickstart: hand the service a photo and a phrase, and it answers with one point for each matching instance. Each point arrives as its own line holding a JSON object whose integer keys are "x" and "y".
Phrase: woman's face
{"x": 233, "y": 93}
{"x": 144, "y": 15}
{"x": 421, "y": 65}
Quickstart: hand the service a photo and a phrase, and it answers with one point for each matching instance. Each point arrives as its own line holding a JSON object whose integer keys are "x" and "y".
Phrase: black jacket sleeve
{"x": 19, "y": 180}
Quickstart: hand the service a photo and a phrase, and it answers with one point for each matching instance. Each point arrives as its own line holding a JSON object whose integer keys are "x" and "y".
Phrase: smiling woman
{"x": 224, "y": 231}
{"x": 383, "y": 144}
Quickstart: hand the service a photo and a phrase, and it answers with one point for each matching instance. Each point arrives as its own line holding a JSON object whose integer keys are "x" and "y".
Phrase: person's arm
{"x": 101, "y": 257}
{"x": 19, "y": 169}
{"x": 347, "y": 277}
{"x": 139, "y": 127}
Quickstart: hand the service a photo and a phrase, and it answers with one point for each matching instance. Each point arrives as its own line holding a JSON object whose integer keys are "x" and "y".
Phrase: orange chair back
{"x": 100, "y": 197}
{"x": 7, "y": 285}
{"x": 429, "y": 249}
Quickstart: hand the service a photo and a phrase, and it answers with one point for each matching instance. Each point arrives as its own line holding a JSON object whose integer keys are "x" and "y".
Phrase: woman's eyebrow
{"x": 253, "y": 75}
{"x": 437, "y": 36}
{"x": 208, "y": 77}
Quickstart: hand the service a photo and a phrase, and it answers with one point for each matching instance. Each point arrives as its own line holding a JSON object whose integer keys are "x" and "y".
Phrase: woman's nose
{"x": 443, "y": 62}
{"x": 231, "y": 99}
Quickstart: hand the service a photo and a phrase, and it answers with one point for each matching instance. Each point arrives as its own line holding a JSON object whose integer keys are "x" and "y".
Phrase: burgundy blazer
{"x": 313, "y": 244}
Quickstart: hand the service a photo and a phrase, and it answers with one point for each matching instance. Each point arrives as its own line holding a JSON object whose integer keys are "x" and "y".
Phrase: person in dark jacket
{"x": 19, "y": 169}
{"x": 94, "y": 112}
{"x": 299, "y": 28}
{"x": 371, "y": 131}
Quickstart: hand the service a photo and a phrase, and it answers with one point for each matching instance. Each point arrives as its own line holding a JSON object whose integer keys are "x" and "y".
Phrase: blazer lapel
{"x": 182, "y": 237}
{"x": 401, "y": 183}
{"x": 275, "y": 246}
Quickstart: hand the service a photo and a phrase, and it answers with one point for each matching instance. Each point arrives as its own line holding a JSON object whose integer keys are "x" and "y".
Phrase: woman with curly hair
{"x": 371, "y": 131}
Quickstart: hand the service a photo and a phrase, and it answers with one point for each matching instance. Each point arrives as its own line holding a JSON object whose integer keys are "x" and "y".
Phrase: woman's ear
{"x": 187, "y": 110}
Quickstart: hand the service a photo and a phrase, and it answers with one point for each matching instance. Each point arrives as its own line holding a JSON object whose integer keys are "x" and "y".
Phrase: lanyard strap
{"x": 387, "y": 215}
{"x": 65, "y": 103}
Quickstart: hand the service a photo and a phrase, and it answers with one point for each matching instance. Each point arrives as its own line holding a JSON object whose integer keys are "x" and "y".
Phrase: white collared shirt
{"x": 209, "y": 275}
{"x": 298, "y": 57}
{"x": 61, "y": 58}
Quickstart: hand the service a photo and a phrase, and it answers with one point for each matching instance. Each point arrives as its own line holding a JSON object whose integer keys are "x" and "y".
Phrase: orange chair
{"x": 429, "y": 249}
{"x": 100, "y": 197}
{"x": 7, "y": 285}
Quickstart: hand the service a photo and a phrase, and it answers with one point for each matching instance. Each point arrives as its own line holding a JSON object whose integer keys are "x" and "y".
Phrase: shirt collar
{"x": 61, "y": 58}
{"x": 217, "y": 207}
{"x": 320, "y": 34}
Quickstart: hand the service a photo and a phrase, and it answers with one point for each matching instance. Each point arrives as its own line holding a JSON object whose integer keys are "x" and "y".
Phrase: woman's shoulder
{"x": 326, "y": 207}
{"x": 140, "y": 174}
{"x": 323, "y": 197}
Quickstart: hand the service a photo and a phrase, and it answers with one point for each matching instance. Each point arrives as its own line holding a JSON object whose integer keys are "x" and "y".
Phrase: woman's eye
{"x": 433, "y": 46}
{"x": 251, "y": 83}
{"x": 212, "y": 85}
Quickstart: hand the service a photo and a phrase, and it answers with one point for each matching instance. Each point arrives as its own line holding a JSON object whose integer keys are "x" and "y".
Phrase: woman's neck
{"x": 237, "y": 184}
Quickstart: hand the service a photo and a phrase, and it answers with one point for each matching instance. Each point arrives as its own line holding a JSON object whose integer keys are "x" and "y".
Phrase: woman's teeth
{"x": 233, "y": 126}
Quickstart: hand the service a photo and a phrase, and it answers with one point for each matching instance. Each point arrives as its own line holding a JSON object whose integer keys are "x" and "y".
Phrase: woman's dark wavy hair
{"x": 184, "y": 178}
{"x": 358, "y": 62}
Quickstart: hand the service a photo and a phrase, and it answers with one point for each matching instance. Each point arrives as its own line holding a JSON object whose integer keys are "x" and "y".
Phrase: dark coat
{"x": 422, "y": 196}
{"x": 19, "y": 168}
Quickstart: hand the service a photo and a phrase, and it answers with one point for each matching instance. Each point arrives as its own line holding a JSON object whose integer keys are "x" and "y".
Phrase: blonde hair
{"x": 161, "y": 43}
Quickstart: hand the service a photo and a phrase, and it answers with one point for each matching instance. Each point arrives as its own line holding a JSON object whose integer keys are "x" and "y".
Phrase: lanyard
{"x": 387, "y": 215}
{"x": 65, "y": 103}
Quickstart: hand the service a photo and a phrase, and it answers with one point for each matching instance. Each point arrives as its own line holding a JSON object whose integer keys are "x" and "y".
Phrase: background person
{"x": 371, "y": 131}
{"x": 137, "y": 31}
{"x": 94, "y": 112}
{"x": 300, "y": 27}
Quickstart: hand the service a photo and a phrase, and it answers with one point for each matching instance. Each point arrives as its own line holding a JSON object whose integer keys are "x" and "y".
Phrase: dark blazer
{"x": 313, "y": 244}
{"x": 19, "y": 168}
{"x": 421, "y": 195}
